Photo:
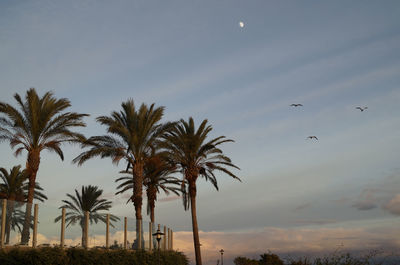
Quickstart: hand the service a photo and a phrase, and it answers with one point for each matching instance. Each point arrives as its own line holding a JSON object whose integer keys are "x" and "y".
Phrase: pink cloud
{"x": 169, "y": 198}
{"x": 393, "y": 206}
{"x": 285, "y": 241}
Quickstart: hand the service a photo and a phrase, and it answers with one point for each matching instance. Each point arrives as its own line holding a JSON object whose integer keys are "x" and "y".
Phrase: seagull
{"x": 296, "y": 105}
{"x": 362, "y": 109}
{"x": 312, "y": 137}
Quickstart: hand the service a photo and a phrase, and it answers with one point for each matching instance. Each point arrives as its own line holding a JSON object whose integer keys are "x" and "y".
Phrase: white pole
{"x": 62, "y": 239}
{"x": 125, "y": 231}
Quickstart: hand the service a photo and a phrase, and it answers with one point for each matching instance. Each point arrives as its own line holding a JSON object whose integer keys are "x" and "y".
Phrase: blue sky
{"x": 193, "y": 58}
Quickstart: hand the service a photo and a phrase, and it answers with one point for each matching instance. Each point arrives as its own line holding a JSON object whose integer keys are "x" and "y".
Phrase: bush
{"x": 371, "y": 258}
{"x": 245, "y": 261}
{"x": 76, "y": 256}
{"x": 270, "y": 259}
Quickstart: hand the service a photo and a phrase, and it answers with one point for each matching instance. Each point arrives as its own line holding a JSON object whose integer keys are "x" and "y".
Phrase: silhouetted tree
{"x": 131, "y": 136}
{"x": 157, "y": 178}
{"x": 270, "y": 259}
{"x": 14, "y": 188}
{"x": 86, "y": 201}
{"x": 41, "y": 124}
{"x": 190, "y": 151}
{"x": 245, "y": 261}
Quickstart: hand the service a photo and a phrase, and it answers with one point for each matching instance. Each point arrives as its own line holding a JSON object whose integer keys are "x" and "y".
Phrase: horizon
{"x": 197, "y": 60}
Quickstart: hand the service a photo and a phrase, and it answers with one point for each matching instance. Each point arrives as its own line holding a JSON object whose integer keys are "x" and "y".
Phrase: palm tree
{"x": 41, "y": 124}
{"x": 87, "y": 201}
{"x": 195, "y": 156}
{"x": 131, "y": 136}
{"x": 156, "y": 179}
{"x": 15, "y": 189}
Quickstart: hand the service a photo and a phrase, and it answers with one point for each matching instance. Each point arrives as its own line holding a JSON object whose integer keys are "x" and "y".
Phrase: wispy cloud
{"x": 287, "y": 241}
{"x": 169, "y": 198}
{"x": 393, "y": 206}
{"x": 367, "y": 200}
{"x": 314, "y": 222}
{"x": 382, "y": 193}
{"x": 302, "y": 206}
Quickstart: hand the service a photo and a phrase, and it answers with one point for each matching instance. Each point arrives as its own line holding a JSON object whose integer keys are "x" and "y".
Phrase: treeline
{"x": 372, "y": 258}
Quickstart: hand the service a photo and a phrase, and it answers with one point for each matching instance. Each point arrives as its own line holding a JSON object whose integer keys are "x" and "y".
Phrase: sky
{"x": 297, "y": 195}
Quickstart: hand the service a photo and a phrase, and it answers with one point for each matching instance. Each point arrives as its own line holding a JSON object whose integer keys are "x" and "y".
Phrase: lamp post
{"x": 158, "y": 235}
{"x": 222, "y": 256}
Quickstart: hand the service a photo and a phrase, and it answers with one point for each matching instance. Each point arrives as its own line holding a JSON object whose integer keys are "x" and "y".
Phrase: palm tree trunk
{"x": 138, "y": 197}
{"x": 32, "y": 167}
{"x": 152, "y": 213}
{"x": 152, "y": 197}
{"x": 83, "y": 241}
{"x": 196, "y": 239}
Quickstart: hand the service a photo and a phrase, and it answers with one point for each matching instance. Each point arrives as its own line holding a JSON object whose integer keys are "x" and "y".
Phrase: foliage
{"x": 270, "y": 259}
{"x": 40, "y": 123}
{"x": 156, "y": 173}
{"x": 372, "y": 258}
{"x": 15, "y": 185}
{"x": 77, "y": 256}
{"x": 131, "y": 136}
{"x": 245, "y": 261}
{"x": 86, "y": 201}
{"x": 14, "y": 188}
{"x": 195, "y": 155}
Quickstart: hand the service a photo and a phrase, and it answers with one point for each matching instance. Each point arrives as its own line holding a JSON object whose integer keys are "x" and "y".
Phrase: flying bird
{"x": 312, "y": 137}
{"x": 296, "y": 105}
{"x": 361, "y": 108}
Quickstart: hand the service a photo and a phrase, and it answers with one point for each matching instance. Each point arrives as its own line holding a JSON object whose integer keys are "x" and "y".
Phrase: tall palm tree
{"x": 156, "y": 179}
{"x": 40, "y": 124}
{"x": 15, "y": 189}
{"x": 86, "y": 201}
{"x": 195, "y": 156}
{"x": 131, "y": 136}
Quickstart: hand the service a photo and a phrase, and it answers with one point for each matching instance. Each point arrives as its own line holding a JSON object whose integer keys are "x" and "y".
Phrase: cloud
{"x": 302, "y": 206}
{"x": 169, "y": 198}
{"x": 393, "y": 206}
{"x": 383, "y": 192}
{"x": 289, "y": 241}
{"x": 314, "y": 222}
{"x": 94, "y": 239}
{"x": 364, "y": 205}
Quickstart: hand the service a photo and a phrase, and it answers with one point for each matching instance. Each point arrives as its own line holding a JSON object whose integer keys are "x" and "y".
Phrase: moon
{"x": 241, "y": 24}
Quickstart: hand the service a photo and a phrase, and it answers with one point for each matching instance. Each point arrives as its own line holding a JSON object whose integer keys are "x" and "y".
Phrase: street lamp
{"x": 222, "y": 256}
{"x": 158, "y": 235}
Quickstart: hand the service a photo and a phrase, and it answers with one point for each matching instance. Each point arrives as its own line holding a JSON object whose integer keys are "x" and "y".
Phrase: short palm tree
{"x": 40, "y": 124}
{"x": 131, "y": 136}
{"x": 15, "y": 189}
{"x": 195, "y": 156}
{"x": 86, "y": 201}
{"x": 157, "y": 178}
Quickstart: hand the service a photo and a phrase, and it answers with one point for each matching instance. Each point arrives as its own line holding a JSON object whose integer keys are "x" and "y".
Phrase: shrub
{"x": 77, "y": 256}
{"x": 245, "y": 261}
{"x": 270, "y": 259}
